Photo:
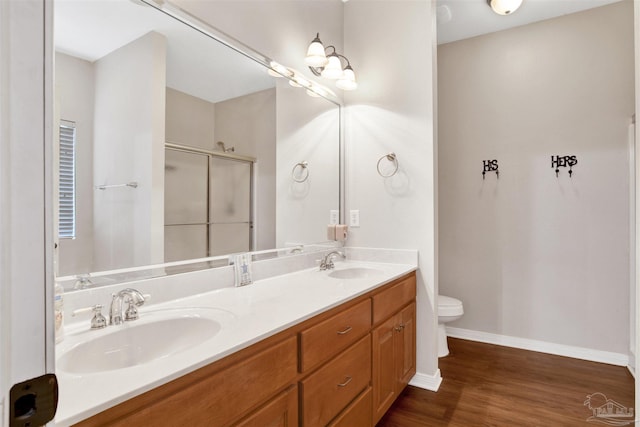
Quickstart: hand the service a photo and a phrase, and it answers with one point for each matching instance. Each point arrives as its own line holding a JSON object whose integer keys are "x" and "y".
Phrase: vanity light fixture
{"x": 330, "y": 66}
{"x": 299, "y": 81}
{"x": 279, "y": 70}
{"x": 296, "y": 79}
{"x": 504, "y": 7}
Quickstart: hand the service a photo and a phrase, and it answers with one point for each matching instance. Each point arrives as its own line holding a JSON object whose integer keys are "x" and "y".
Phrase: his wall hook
{"x": 564, "y": 161}
{"x": 490, "y": 166}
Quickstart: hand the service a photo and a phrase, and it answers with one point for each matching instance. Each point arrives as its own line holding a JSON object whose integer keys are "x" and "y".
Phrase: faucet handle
{"x": 98, "y": 321}
{"x": 132, "y": 312}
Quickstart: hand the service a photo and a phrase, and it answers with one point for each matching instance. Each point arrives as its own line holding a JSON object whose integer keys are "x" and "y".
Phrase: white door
{"x": 636, "y": 25}
{"x": 26, "y": 246}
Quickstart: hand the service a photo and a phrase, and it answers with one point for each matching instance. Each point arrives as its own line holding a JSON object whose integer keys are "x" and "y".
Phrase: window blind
{"x": 67, "y": 181}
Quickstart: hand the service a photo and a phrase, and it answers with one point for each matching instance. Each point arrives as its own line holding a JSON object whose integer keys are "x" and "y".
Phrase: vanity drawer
{"x": 389, "y": 301}
{"x": 221, "y": 398}
{"x": 281, "y": 411}
{"x": 319, "y": 342}
{"x": 326, "y": 392}
{"x": 357, "y": 414}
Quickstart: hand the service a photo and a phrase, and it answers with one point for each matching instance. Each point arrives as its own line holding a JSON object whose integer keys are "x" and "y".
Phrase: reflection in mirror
{"x": 183, "y": 148}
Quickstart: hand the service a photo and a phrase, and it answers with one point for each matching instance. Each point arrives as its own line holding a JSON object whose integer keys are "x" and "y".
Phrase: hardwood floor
{"x": 488, "y": 385}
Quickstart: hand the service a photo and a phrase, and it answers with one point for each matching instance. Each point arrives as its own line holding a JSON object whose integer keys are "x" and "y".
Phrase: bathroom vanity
{"x": 344, "y": 349}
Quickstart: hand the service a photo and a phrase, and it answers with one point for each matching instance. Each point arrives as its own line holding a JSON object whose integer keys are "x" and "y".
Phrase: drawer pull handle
{"x": 346, "y": 331}
{"x": 346, "y": 382}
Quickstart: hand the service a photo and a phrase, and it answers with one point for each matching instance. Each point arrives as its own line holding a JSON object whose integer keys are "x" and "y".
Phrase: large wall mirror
{"x": 176, "y": 146}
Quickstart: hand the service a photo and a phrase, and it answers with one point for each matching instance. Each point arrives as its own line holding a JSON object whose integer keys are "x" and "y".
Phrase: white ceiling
{"x": 196, "y": 64}
{"x": 470, "y": 18}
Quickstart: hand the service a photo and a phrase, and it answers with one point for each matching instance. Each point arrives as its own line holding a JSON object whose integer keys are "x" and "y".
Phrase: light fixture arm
{"x": 318, "y": 70}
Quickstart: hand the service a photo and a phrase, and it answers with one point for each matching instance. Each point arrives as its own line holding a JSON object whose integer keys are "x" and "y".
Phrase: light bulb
{"x": 316, "y": 91}
{"x": 333, "y": 69}
{"x": 278, "y": 70}
{"x": 504, "y": 7}
{"x": 315, "y": 54}
{"x": 348, "y": 79}
{"x": 297, "y": 80}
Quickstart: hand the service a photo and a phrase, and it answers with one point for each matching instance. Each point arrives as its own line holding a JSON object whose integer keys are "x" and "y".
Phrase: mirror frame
{"x": 125, "y": 275}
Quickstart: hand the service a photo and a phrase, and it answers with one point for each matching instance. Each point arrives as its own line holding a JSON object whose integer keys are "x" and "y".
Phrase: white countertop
{"x": 247, "y": 314}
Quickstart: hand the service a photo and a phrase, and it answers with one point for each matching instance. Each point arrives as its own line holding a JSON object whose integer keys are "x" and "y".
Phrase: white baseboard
{"x": 427, "y": 382}
{"x": 611, "y": 358}
{"x": 632, "y": 371}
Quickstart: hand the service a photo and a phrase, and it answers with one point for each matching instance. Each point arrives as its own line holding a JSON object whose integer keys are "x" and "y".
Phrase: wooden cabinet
{"x": 331, "y": 370}
{"x": 384, "y": 366}
{"x": 330, "y": 389}
{"x": 205, "y": 398}
{"x": 393, "y": 345}
{"x": 407, "y": 343}
{"x": 356, "y": 414}
{"x": 325, "y": 339}
{"x": 282, "y": 411}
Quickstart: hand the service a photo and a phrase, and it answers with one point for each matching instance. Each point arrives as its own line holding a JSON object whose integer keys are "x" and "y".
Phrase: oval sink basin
{"x": 132, "y": 344}
{"x": 354, "y": 273}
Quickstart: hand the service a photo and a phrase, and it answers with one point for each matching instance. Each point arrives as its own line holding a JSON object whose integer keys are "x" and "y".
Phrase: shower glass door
{"x": 230, "y": 230}
{"x": 186, "y": 205}
{"x": 208, "y": 205}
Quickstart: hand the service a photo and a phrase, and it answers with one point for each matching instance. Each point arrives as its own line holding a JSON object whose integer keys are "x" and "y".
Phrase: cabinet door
{"x": 406, "y": 341}
{"x": 385, "y": 372}
{"x": 282, "y": 411}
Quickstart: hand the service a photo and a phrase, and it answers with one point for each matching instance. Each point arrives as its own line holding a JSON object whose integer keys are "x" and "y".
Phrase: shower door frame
{"x": 227, "y": 156}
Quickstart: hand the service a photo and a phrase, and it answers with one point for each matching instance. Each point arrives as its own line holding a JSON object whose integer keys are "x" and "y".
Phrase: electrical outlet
{"x": 334, "y": 217}
{"x": 354, "y": 218}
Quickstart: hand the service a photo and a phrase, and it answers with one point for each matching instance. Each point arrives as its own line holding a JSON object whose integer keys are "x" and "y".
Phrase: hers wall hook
{"x": 563, "y": 162}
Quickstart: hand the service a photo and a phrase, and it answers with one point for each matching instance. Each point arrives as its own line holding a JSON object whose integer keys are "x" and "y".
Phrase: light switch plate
{"x": 334, "y": 217}
{"x": 354, "y": 218}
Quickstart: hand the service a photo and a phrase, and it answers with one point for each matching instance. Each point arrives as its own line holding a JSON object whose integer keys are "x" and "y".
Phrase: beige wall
{"x": 129, "y": 146}
{"x": 189, "y": 120}
{"x": 532, "y": 255}
{"x": 74, "y": 97}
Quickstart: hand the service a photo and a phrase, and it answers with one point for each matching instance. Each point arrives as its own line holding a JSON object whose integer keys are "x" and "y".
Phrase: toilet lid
{"x": 448, "y": 306}
{"x": 444, "y": 301}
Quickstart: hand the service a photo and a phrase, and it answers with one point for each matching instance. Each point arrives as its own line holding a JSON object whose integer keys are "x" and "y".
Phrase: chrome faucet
{"x": 117, "y": 314}
{"x": 327, "y": 260}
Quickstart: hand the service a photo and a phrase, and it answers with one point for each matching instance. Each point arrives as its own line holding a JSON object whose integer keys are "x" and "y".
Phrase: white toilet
{"x": 449, "y": 309}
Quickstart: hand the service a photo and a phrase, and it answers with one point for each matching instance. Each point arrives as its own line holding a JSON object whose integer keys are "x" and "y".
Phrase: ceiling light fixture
{"x": 330, "y": 66}
{"x": 504, "y": 7}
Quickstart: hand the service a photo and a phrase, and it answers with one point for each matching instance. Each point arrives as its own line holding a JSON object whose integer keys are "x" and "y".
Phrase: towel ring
{"x": 392, "y": 158}
{"x": 304, "y": 171}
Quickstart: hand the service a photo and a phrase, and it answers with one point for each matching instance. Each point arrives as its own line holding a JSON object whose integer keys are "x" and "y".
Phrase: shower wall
{"x": 249, "y": 124}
